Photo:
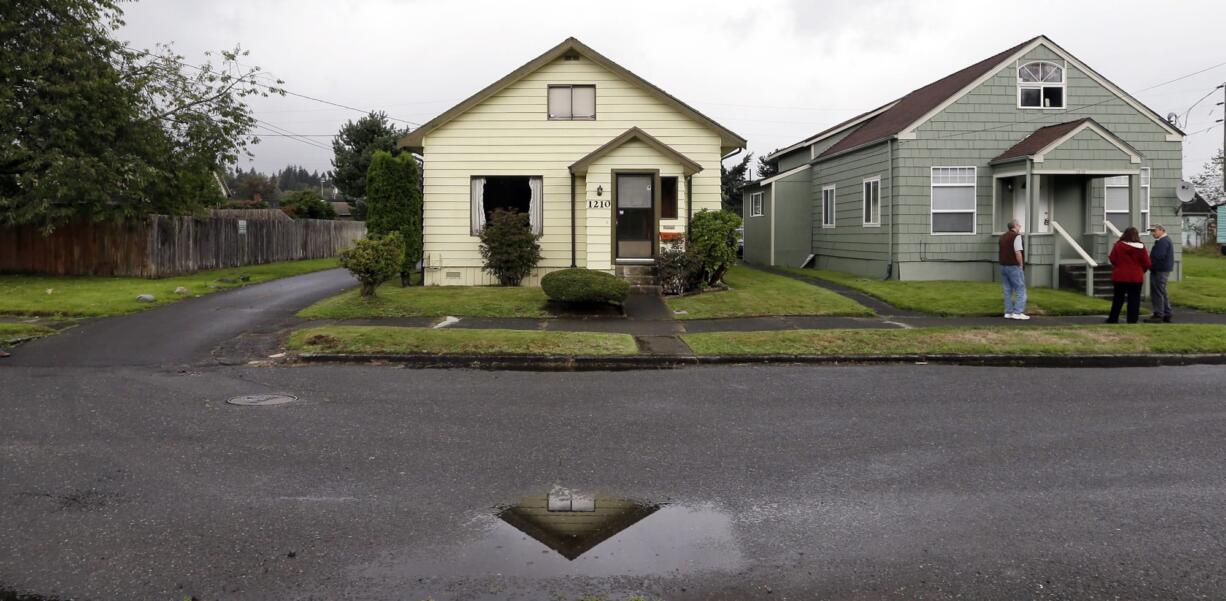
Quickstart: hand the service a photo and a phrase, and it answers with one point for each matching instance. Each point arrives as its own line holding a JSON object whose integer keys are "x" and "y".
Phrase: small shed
{"x": 344, "y": 212}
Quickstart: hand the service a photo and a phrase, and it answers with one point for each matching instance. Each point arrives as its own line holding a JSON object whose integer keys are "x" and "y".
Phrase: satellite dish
{"x": 1173, "y": 119}
{"x": 1185, "y": 191}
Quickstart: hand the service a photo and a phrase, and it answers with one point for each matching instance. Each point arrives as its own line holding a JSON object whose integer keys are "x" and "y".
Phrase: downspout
{"x": 889, "y": 154}
{"x": 573, "y": 256}
{"x": 689, "y": 204}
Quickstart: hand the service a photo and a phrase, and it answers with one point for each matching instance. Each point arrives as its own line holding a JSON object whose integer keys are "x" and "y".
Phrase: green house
{"x": 921, "y": 187}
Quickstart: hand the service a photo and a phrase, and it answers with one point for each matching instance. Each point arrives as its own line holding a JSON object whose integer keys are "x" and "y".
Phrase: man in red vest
{"x": 1012, "y": 272}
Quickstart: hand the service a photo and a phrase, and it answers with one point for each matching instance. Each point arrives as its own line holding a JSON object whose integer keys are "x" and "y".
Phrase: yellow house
{"x": 606, "y": 165}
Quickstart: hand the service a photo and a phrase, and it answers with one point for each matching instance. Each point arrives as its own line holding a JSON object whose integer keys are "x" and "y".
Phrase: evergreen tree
{"x": 354, "y": 147}
{"x": 732, "y": 181}
{"x": 394, "y": 204}
{"x": 767, "y": 168}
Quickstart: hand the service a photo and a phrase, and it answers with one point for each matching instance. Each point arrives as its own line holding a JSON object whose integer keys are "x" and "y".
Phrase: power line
{"x": 276, "y": 129}
{"x": 1182, "y": 77}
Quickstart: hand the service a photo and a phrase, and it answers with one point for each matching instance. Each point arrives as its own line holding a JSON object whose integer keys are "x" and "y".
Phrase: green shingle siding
{"x": 867, "y": 247}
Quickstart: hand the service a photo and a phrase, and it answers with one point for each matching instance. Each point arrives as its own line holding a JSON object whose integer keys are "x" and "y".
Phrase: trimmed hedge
{"x": 584, "y": 286}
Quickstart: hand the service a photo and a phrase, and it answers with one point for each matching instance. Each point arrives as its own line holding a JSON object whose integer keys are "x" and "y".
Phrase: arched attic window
{"x": 1040, "y": 84}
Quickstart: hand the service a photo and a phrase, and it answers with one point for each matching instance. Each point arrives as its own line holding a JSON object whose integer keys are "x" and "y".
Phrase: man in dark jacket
{"x": 1163, "y": 258}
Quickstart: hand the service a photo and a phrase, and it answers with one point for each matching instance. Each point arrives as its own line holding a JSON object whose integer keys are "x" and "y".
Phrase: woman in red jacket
{"x": 1129, "y": 261}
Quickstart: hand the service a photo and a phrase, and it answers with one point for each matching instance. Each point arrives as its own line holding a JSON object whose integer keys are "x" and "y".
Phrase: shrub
{"x": 509, "y": 248}
{"x": 713, "y": 237}
{"x": 393, "y": 204}
{"x": 306, "y": 204}
{"x": 584, "y": 286}
{"x": 680, "y": 269}
{"x": 374, "y": 260}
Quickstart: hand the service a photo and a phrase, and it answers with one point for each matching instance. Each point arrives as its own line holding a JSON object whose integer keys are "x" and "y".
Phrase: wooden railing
{"x": 1085, "y": 257}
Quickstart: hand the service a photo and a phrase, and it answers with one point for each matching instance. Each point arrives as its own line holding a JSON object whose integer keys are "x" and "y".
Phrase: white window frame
{"x": 866, "y": 207}
{"x": 829, "y": 211}
{"x": 1107, "y": 183}
{"x": 1039, "y": 85}
{"x": 974, "y": 186}
{"x": 755, "y": 204}
{"x": 1144, "y": 177}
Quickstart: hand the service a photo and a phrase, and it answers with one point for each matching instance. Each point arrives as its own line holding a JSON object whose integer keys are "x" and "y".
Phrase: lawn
{"x": 961, "y": 298}
{"x": 11, "y": 333}
{"x": 1204, "y": 283}
{"x": 86, "y": 296}
{"x": 391, "y": 300}
{"x": 395, "y": 340}
{"x": 754, "y": 292}
{"x": 1069, "y": 340}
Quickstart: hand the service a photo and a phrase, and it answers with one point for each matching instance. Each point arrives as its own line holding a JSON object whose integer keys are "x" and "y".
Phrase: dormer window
{"x": 1040, "y": 85}
{"x": 572, "y": 102}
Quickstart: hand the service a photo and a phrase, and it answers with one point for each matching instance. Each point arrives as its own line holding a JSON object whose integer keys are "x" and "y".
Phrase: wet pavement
{"x": 886, "y": 482}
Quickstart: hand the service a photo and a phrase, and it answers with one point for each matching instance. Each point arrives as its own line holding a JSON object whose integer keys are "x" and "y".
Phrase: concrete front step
{"x": 638, "y": 274}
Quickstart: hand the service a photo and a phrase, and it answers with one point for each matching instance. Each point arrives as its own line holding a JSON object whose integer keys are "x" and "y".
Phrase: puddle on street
{"x": 568, "y": 534}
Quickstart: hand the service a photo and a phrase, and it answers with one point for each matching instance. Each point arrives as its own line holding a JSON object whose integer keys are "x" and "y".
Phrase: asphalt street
{"x": 883, "y": 482}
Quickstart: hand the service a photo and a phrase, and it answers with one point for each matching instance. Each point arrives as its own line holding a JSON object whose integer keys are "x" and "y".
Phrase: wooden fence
{"x": 162, "y": 246}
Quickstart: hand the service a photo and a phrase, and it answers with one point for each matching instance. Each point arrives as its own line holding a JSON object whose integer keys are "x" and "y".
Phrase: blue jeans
{"x": 1014, "y": 280}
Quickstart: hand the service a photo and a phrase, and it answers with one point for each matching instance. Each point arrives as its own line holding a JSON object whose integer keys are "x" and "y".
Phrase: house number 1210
{"x": 597, "y": 204}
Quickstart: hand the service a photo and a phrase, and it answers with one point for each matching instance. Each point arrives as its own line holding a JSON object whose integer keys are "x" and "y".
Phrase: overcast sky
{"x": 772, "y": 71}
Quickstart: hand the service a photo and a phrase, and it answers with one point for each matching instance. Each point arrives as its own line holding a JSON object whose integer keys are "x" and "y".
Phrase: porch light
{"x": 599, "y": 190}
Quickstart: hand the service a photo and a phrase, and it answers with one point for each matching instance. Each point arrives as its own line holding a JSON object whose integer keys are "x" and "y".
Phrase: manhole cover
{"x": 262, "y": 399}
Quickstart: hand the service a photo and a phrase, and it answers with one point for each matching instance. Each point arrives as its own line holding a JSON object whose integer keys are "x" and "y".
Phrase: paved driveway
{"x": 887, "y": 482}
{"x": 185, "y": 332}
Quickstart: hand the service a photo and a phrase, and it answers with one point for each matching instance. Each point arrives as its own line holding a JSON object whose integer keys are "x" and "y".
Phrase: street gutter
{"x": 633, "y": 362}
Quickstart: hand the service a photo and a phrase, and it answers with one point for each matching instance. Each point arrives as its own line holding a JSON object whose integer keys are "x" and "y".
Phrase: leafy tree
{"x": 732, "y": 181}
{"x": 394, "y": 204}
{"x": 93, "y": 128}
{"x": 509, "y": 247}
{"x": 713, "y": 236}
{"x": 355, "y": 146}
{"x": 1209, "y": 181}
{"x": 374, "y": 260}
{"x": 253, "y": 185}
{"x": 306, "y": 204}
{"x": 767, "y": 168}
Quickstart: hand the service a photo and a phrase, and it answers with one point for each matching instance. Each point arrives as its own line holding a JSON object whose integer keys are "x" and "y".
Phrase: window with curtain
{"x": 828, "y": 200}
{"x": 518, "y": 193}
{"x": 872, "y": 202}
{"x": 953, "y": 200}
{"x": 572, "y": 102}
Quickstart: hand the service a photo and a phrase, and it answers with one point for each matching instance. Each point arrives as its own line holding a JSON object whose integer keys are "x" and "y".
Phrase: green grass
{"x": 395, "y": 340}
{"x": 755, "y": 293}
{"x": 432, "y": 301}
{"x": 85, "y": 296}
{"x": 14, "y": 332}
{"x": 1070, "y": 340}
{"x": 960, "y": 298}
{"x": 1204, "y": 283}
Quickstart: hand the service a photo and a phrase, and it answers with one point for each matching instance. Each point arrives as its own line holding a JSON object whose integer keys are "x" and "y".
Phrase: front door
{"x": 1068, "y": 198}
{"x": 635, "y": 215}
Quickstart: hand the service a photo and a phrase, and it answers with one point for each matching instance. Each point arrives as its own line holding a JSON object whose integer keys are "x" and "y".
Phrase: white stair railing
{"x": 1085, "y": 257}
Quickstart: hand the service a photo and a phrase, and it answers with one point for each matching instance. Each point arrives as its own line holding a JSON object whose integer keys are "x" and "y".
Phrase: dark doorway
{"x": 509, "y": 193}
{"x": 636, "y": 216}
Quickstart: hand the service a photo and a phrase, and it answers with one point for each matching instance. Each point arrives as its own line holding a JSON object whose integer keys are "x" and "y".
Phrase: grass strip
{"x": 959, "y": 298}
{"x": 756, "y": 293}
{"x": 398, "y": 340}
{"x": 1204, "y": 283}
{"x": 92, "y": 296}
{"x": 13, "y": 332}
{"x": 1003, "y": 340}
{"x": 391, "y": 300}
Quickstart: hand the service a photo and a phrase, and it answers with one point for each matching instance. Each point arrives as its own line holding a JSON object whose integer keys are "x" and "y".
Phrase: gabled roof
{"x": 413, "y": 140}
{"x": 916, "y": 108}
{"x": 826, "y": 133}
{"x": 1197, "y": 206}
{"x": 689, "y": 167}
{"x": 920, "y": 102}
{"x": 1046, "y": 139}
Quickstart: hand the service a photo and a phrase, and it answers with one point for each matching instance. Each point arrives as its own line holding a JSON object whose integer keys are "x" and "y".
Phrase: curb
{"x": 633, "y": 362}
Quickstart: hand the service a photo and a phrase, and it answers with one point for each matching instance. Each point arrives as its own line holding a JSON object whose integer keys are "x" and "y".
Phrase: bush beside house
{"x": 585, "y": 286}
{"x": 393, "y": 204}
{"x": 374, "y": 260}
{"x": 509, "y": 248}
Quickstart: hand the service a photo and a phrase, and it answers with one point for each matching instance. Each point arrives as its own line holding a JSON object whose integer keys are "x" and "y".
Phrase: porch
{"x": 1074, "y": 187}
